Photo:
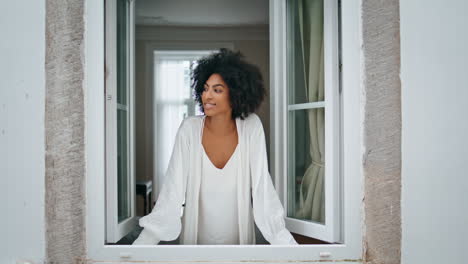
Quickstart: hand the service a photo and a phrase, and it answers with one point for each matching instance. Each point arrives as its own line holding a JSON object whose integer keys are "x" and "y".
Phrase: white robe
{"x": 182, "y": 186}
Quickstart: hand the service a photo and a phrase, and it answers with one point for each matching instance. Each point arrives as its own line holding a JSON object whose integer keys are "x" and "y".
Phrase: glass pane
{"x": 122, "y": 52}
{"x": 306, "y": 166}
{"x": 122, "y": 112}
{"x": 122, "y": 166}
{"x": 305, "y": 51}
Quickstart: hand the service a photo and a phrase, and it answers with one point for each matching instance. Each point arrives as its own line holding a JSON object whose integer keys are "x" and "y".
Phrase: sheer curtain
{"x": 311, "y": 194}
{"x": 172, "y": 90}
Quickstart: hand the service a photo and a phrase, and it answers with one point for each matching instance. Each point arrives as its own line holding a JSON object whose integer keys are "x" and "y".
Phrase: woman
{"x": 217, "y": 182}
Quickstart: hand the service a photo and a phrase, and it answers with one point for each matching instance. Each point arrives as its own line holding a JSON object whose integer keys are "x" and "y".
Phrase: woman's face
{"x": 215, "y": 96}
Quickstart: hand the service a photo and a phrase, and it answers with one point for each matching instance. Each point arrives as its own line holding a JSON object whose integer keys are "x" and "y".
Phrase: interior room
{"x": 158, "y": 46}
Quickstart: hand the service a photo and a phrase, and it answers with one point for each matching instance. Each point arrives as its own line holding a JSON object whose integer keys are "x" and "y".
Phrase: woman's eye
{"x": 217, "y": 90}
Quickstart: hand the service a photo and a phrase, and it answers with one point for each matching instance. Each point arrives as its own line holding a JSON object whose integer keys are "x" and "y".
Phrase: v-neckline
{"x": 206, "y": 154}
{"x": 227, "y": 163}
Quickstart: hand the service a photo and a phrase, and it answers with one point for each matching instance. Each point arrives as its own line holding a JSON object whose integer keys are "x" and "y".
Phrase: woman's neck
{"x": 220, "y": 125}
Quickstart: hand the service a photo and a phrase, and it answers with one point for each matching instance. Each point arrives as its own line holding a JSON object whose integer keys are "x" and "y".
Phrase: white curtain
{"x": 171, "y": 92}
{"x": 312, "y": 194}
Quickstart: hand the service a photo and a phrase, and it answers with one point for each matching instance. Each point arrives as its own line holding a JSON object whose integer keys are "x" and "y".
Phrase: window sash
{"x": 95, "y": 154}
{"x": 117, "y": 228}
{"x": 330, "y": 230}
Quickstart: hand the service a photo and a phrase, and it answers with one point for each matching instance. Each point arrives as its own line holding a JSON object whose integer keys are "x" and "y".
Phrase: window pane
{"x": 122, "y": 166}
{"x": 122, "y": 52}
{"x": 123, "y": 190}
{"x": 306, "y": 166}
{"x": 305, "y": 51}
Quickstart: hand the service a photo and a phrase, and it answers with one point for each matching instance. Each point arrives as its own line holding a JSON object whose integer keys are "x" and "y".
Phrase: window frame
{"x": 349, "y": 251}
{"x": 330, "y": 230}
{"x": 115, "y": 230}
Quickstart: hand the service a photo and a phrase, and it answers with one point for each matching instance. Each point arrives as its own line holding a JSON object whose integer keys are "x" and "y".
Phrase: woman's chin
{"x": 211, "y": 113}
{"x": 214, "y": 111}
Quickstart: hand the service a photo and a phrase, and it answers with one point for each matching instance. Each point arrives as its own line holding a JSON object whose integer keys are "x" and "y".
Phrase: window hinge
{"x": 106, "y": 72}
{"x": 340, "y": 70}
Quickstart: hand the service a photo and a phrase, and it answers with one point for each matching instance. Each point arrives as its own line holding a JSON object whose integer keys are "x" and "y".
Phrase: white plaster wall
{"x": 22, "y": 97}
{"x": 434, "y": 74}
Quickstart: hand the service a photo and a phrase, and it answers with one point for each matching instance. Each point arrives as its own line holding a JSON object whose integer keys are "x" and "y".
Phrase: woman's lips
{"x": 209, "y": 106}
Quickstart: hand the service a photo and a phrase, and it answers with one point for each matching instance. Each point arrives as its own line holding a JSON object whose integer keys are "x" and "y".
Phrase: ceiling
{"x": 201, "y": 12}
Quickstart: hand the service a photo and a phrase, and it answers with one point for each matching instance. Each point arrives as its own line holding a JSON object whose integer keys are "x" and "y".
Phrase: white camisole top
{"x": 217, "y": 218}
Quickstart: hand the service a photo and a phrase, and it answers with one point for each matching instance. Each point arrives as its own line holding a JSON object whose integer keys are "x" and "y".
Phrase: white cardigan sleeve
{"x": 267, "y": 209}
{"x": 164, "y": 222}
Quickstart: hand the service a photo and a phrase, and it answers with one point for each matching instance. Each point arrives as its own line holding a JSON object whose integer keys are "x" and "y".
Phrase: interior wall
{"x": 434, "y": 133}
{"x": 22, "y": 102}
{"x": 252, "y": 42}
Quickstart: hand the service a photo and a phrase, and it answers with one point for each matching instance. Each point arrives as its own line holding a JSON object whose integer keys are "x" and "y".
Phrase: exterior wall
{"x": 433, "y": 108}
{"x": 435, "y": 128}
{"x": 382, "y": 131}
{"x": 22, "y": 93}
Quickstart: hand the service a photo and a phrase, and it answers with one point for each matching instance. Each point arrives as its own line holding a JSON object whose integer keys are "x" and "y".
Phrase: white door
{"x": 120, "y": 120}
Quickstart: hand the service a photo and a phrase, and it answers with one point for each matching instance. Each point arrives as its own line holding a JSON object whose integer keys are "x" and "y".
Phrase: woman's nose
{"x": 209, "y": 93}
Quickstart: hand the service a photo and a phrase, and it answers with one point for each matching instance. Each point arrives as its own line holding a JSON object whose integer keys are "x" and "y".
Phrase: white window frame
{"x": 115, "y": 230}
{"x": 330, "y": 231}
{"x": 350, "y": 251}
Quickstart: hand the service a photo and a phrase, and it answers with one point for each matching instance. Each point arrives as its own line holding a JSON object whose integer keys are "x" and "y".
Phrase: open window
{"x": 310, "y": 107}
{"x": 313, "y": 125}
{"x": 120, "y": 120}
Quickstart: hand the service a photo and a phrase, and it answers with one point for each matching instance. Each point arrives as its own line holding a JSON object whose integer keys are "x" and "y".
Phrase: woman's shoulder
{"x": 190, "y": 123}
{"x": 253, "y": 121}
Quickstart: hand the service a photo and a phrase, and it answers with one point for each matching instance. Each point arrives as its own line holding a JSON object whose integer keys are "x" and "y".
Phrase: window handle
{"x": 125, "y": 255}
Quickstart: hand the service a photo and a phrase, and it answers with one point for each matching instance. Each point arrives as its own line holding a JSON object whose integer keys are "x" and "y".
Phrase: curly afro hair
{"x": 244, "y": 80}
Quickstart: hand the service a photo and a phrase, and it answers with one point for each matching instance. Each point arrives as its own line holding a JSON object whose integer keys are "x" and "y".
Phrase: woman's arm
{"x": 164, "y": 222}
{"x": 267, "y": 209}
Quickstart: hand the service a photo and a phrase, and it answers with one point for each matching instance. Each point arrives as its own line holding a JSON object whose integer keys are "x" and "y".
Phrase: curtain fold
{"x": 311, "y": 192}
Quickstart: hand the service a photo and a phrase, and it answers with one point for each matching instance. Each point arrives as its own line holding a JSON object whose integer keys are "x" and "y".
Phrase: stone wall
{"x": 381, "y": 131}
{"x": 64, "y": 131}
